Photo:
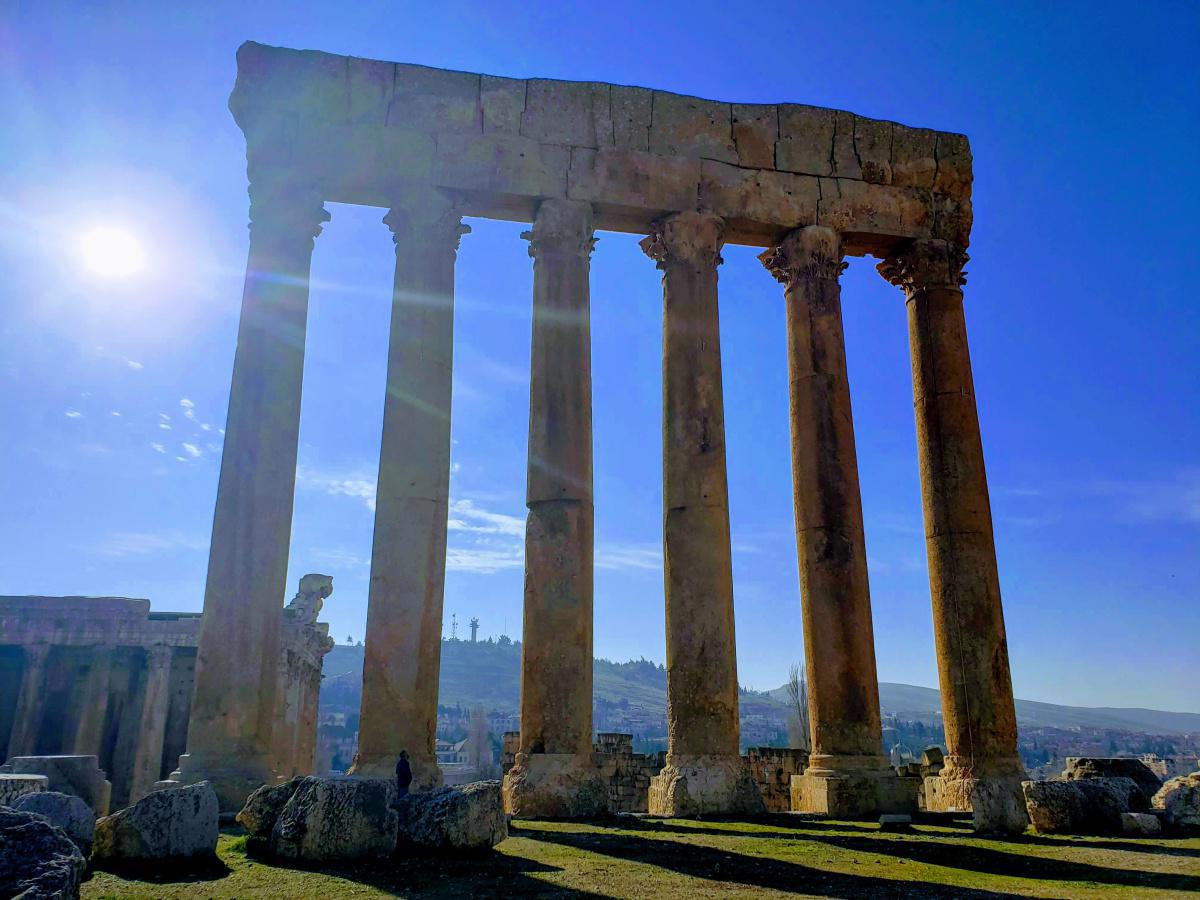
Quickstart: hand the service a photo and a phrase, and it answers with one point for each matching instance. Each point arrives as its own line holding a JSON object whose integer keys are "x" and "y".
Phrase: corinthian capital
{"x": 926, "y": 264}
{"x": 811, "y": 252}
{"x": 426, "y": 215}
{"x": 687, "y": 237}
{"x": 562, "y": 227}
{"x": 285, "y": 211}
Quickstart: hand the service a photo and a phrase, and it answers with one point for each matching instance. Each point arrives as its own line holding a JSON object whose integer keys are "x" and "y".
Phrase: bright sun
{"x": 112, "y": 252}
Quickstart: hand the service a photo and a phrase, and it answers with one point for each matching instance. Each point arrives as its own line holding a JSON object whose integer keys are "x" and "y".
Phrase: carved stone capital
{"x": 285, "y": 211}
{"x": 811, "y": 252}
{"x": 562, "y": 227}
{"x": 428, "y": 216}
{"x": 687, "y": 237}
{"x": 926, "y": 264}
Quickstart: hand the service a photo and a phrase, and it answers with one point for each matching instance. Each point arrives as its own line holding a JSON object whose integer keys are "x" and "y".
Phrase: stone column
{"x": 233, "y": 705}
{"x": 847, "y": 774}
{"x": 152, "y": 725}
{"x": 287, "y": 712}
{"x": 704, "y": 774}
{"x": 27, "y": 720}
{"x": 554, "y": 773}
{"x": 983, "y": 770}
{"x": 89, "y": 733}
{"x": 306, "y": 735}
{"x": 408, "y": 557}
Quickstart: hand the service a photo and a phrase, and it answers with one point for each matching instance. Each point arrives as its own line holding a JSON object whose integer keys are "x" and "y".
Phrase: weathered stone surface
{"x": 342, "y": 819}
{"x": 1087, "y": 806}
{"x": 435, "y": 100}
{"x": 554, "y": 786}
{"x": 1140, "y": 824}
{"x": 914, "y": 159}
{"x": 503, "y": 102}
{"x": 755, "y": 131}
{"x": 1148, "y": 783}
{"x": 633, "y": 179}
{"x": 895, "y": 822}
{"x": 705, "y": 785}
{"x": 570, "y": 113}
{"x": 631, "y": 109}
{"x": 37, "y": 860}
{"x": 174, "y": 825}
{"x": 262, "y": 810}
{"x": 14, "y": 786}
{"x": 1179, "y": 799}
{"x": 369, "y": 90}
{"x": 64, "y": 811}
{"x": 805, "y": 140}
{"x": 873, "y": 147}
{"x": 997, "y": 806}
{"x": 470, "y": 817}
{"x": 758, "y": 195}
{"x": 77, "y": 775}
{"x": 933, "y": 756}
{"x": 845, "y": 160}
{"x": 689, "y": 126}
{"x": 953, "y": 165}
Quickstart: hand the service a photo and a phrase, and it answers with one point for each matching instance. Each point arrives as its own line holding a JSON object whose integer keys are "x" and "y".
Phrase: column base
{"x": 691, "y": 786}
{"x": 232, "y": 778}
{"x": 853, "y": 788}
{"x": 427, "y": 774}
{"x": 555, "y": 786}
{"x": 993, "y": 798}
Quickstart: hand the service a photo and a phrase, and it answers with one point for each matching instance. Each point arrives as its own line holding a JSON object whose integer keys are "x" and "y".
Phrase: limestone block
{"x": 435, "y": 100}
{"x": 37, "y": 860}
{"x": 634, "y": 179}
{"x": 895, "y": 822}
{"x": 755, "y": 132}
{"x": 470, "y": 817}
{"x": 502, "y": 164}
{"x": 1179, "y": 799}
{"x": 63, "y": 811}
{"x": 845, "y": 160}
{"x": 914, "y": 156}
{"x": 262, "y": 810}
{"x": 1078, "y": 767}
{"x": 805, "y": 140}
{"x": 369, "y": 90}
{"x": 848, "y": 205}
{"x": 503, "y": 102}
{"x": 77, "y": 775}
{"x": 998, "y": 806}
{"x": 176, "y": 825}
{"x": 572, "y": 113}
{"x": 853, "y": 794}
{"x": 933, "y": 756}
{"x": 705, "y": 785}
{"x": 554, "y": 786}
{"x": 873, "y": 147}
{"x": 14, "y": 786}
{"x": 339, "y": 819}
{"x": 757, "y": 195}
{"x": 951, "y": 219}
{"x": 1140, "y": 824}
{"x": 691, "y": 127}
{"x": 630, "y": 108}
{"x": 954, "y": 166}
{"x": 275, "y": 81}
{"x": 1086, "y": 806}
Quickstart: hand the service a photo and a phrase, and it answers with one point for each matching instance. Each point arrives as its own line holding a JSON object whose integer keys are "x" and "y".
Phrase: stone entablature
{"x": 352, "y": 127}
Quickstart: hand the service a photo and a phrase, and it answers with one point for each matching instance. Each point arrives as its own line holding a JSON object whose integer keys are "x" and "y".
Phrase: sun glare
{"x": 112, "y": 252}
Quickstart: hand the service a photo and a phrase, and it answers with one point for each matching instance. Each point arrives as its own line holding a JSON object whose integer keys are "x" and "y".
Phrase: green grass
{"x": 781, "y": 856}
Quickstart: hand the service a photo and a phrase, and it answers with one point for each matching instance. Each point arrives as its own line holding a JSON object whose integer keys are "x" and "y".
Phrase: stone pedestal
{"x": 233, "y": 705}
{"x": 80, "y": 776}
{"x": 408, "y": 555}
{"x": 704, "y": 772}
{"x": 554, "y": 773}
{"x": 973, "y": 670}
{"x": 847, "y": 774}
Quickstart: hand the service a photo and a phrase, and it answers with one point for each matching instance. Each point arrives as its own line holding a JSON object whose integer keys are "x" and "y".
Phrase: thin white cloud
{"x": 164, "y": 417}
{"x": 623, "y": 557}
{"x": 73, "y": 414}
{"x": 157, "y": 447}
{"x": 139, "y": 543}
{"x": 483, "y": 560}
{"x": 134, "y": 364}
{"x": 357, "y": 485}
{"x": 466, "y": 516}
{"x": 1172, "y": 499}
{"x": 192, "y": 450}
{"x": 115, "y": 414}
{"x": 164, "y": 426}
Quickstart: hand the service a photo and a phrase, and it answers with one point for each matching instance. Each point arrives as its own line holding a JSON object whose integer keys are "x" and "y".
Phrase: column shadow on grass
{"x": 795, "y": 828}
{"x": 712, "y": 864}
{"x": 1127, "y": 845}
{"x": 991, "y": 861}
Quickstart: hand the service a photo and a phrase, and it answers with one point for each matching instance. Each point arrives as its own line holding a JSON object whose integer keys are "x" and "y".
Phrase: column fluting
{"x": 93, "y": 703}
{"x": 152, "y": 729}
{"x": 27, "y": 719}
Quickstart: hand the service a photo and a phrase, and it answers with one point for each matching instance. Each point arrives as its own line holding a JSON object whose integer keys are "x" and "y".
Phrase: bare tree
{"x": 797, "y": 688}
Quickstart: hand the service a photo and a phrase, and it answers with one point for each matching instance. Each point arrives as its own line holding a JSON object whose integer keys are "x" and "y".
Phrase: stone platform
{"x": 555, "y": 786}
{"x": 705, "y": 785}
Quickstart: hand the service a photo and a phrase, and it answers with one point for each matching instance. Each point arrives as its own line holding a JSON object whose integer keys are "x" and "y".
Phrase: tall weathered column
{"x": 152, "y": 727}
{"x": 306, "y": 729}
{"x": 27, "y": 720}
{"x": 408, "y": 556}
{"x": 847, "y": 774}
{"x": 555, "y": 773}
{"x": 983, "y": 770}
{"x": 704, "y": 773}
{"x": 93, "y": 703}
{"x": 233, "y": 705}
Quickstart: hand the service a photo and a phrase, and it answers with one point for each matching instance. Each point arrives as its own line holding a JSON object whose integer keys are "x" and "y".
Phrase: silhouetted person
{"x": 403, "y": 774}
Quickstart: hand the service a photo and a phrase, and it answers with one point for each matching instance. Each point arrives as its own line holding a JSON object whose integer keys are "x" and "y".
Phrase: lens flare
{"x": 112, "y": 252}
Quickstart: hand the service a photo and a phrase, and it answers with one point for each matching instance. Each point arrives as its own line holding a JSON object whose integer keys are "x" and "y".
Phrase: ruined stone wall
{"x": 772, "y": 769}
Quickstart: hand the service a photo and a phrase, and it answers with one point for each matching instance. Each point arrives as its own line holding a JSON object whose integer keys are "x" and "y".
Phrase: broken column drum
{"x": 692, "y": 174}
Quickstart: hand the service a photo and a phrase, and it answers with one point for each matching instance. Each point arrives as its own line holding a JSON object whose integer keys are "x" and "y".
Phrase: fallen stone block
{"x": 64, "y": 811}
{"x": 1140, "y": 824}
{"x": 895, "y": 822}
{"x": 14, "y": 786}
{"x": 337, "y": 819}
{"x": 262, "y": 810}
{"x": 37, "y": 860}
{"x": 470, "y": 817}
{"x": 1079, "y": 767}
{"x": 174, "y": 825}
{"x": 78, "y": 775}
{"x": 1084, "y": 806}
{"x": 1179, "y": 799}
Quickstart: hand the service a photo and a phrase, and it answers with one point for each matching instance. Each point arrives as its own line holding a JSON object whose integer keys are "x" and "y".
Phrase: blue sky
{"x": 1081, "y": 308}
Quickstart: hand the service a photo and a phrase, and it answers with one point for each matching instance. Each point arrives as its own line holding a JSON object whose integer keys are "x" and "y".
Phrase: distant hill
{"x": 488, "y": 674}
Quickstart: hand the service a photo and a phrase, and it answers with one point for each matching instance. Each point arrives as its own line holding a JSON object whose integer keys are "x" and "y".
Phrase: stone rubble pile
{"x": 37, "y": 860}
{"x": 1179, "y": 800}
{"x": 63, "y": 811}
